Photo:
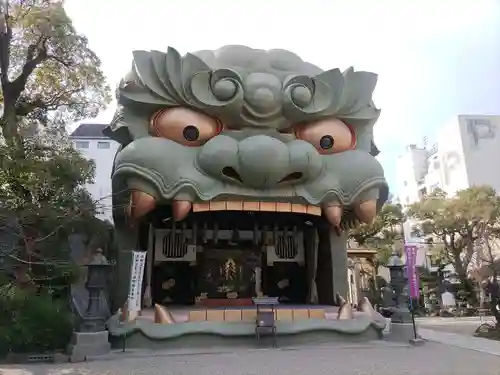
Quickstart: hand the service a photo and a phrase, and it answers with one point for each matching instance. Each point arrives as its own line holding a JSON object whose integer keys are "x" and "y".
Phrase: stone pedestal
{"x": 84, "y": 344}
{"x": 400, "y": 315}
{"x": 403, "y": 332}
{"x": 417, "y": 341}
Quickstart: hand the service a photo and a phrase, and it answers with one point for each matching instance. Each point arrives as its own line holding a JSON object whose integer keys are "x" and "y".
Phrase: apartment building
{"x": 94, "y": 145}
{"x": 466, "y": 149}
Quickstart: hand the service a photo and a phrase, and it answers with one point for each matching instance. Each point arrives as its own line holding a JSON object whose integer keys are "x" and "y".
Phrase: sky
{"x": 435, "y": 58}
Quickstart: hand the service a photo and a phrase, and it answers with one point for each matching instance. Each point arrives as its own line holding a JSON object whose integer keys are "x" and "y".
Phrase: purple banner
{"x": 411, "y": 269}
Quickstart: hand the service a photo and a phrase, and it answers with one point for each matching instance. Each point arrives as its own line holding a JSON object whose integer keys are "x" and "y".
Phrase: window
{"x": 102, "y": 145}
{"x": 82, "y": 144}
{"x": 433, "y": 150}
{"x": 480, "y": 122}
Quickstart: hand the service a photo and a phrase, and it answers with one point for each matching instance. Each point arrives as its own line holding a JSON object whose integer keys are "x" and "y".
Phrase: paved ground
{"x": 458, "y": 332}
{"x": 453, "y": 351}
{"x": 368, "y": 359}
{"x": 464, "y": 326}
{"x": 460, "y": 329}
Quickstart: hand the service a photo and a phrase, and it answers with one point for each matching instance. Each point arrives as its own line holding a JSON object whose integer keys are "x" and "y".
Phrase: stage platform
{"x": 283, "y": 312}
{"x": 233, "y": 326}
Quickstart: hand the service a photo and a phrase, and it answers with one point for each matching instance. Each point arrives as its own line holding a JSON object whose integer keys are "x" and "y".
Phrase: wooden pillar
{"x": 258, "y": 281}
{"x": 332, "y": 275}
{"x": 338, "y": 251}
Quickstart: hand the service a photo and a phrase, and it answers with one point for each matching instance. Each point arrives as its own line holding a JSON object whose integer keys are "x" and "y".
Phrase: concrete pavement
{"x": 459, "y": 320}
{"x": 445, "y": 353}
{"x": 464, "y": 325}
{"x": 458, "y": 332}
{"x": 462, "y": 341}
{"x": 378, "y": 358}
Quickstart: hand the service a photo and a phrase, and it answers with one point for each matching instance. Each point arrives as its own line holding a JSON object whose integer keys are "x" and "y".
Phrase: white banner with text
{"x": 136, "y": 276}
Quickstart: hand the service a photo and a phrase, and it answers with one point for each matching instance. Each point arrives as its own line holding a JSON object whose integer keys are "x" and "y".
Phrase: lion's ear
{"x": 126, "y": 126}
{"x": 120, "y": 135}
{"x": 374, "y": 151}
{"x": 118, "y": 130}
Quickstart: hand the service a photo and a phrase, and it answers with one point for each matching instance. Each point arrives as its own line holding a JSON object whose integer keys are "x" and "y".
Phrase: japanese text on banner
{"x": 411, "y": 269}
{"x": 136, "y": 276}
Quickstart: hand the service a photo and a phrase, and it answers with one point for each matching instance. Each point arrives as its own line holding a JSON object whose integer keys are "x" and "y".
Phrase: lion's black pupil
{"x": 191, "y": 133}
{"x": 326, "y": 142}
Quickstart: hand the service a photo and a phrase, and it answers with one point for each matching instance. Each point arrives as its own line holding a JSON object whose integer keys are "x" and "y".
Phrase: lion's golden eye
{"x": 184, "y": 126}
{"x": 329, "y": 136}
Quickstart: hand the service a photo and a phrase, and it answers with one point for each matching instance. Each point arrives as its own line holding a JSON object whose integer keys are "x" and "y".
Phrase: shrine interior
{"x": 228, "y": 257}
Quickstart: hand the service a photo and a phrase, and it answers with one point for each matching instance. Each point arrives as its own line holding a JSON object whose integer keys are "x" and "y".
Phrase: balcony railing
{"x": 433, "y": 150}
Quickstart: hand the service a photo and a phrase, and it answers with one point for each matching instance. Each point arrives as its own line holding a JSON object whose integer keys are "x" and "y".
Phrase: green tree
{"x": 43, "y": 201}
{"x": 486, "y": 261}
{"x": 489, "y": 258}
{"x": 49, "y": 78}
{"x": 48, "y": 74}
{"x": 384, "y": 235}
{"x": 456, "y": 224}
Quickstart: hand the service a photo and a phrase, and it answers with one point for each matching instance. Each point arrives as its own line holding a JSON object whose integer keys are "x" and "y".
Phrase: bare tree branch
{"x": 52, "y": 104}
{"x": 5, "y": 40}
{"x": 37, "y": 53}
{"x": 67, "y": 64}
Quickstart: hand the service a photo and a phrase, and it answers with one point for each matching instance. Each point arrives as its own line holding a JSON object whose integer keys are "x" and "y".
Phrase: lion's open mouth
{"x": 339, "y": 217}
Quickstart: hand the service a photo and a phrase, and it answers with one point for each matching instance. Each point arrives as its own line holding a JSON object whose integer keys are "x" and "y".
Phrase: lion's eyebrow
{"x": 217, "y": 87}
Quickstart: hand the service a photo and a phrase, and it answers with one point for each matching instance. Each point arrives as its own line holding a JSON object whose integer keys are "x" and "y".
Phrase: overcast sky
{"x": 435, "y": 58}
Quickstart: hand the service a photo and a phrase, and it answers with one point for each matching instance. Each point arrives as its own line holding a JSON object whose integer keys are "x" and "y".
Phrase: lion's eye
{"x": 329, "y": 136}
{"x": 184, "y": 126}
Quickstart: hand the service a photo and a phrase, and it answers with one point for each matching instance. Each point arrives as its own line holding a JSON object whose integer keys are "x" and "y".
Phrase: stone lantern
{"x": 400, "y": 311}
{"x": 91, "y": 337}
{"x": 97, "y": 277}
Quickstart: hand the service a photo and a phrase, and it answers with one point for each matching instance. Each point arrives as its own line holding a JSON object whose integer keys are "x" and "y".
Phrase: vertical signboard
{"x": 136, "y": 276}
{"x": 411, "y": 269}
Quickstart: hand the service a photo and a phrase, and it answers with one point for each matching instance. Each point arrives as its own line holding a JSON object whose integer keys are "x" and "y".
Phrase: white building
{"x": 89, "y": 140}
{"x": 464, "y": 155}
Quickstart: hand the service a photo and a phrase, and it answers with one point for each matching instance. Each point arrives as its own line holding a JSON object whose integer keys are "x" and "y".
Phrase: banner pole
{"x": 411, "y": 255}
{"x": 414, "y": 325}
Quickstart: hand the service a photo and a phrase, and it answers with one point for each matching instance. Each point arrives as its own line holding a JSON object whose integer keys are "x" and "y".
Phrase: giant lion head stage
{"x": 245, "y": 141}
